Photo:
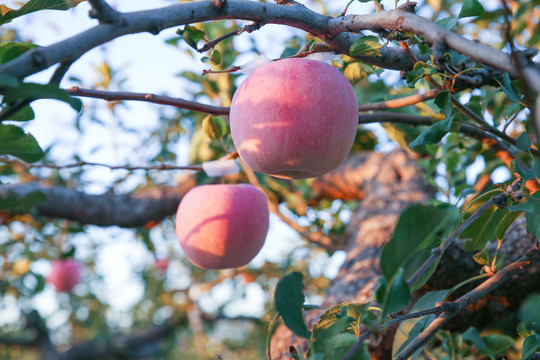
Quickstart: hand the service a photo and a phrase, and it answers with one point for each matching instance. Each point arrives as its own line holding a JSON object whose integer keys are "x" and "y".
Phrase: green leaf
{"x": 352, "y": 310}
{"x": 191, "y": 35}
{"x": 506, "y": 221}
{"x": 216, "y": 57}
{"x": 507, "y": 87}
{"x": 419, "y": 227}
{"x": 396, "y": 295}
{"x": 327, "y": 334}
{"x": 482, "y": 230}
{"x": 13, "y": 141}
{"x": 448, "y": 23}
{"x": 522, "y": 330}
{"x": 40, "y": 283}
{"x": 526, "y": 206}
{"x": 528, "y": 312}
{"x": 419, "y": 71}
{"x": 471, "y": 8}
{"x": 498, "y": 344}
{"x": 289, "y": 299}
{"x": 340, "y": 345}
{"x": 11, "y": 50}
{"x": 473, "y": 336}
{"x": 366, "y": 46}
{"x": 33, "y": 91}
{"x": 523, "y": 142}
{"x": 25, "y": 114}
{"x": 354, "y": 72}
{"x": 335, "y": 338}
{"x": 530, "y": 346}
{"x": 7, "y": 14}
{"x": 526, "y": 174}
{"x": 24, "y": 203}
{"x": 483, "y": 258}
{"x": 433, "y": 134}
{"x": 444, "y": 101}
{"x": 533, "y": 217}
{"x": 214, "y": 127}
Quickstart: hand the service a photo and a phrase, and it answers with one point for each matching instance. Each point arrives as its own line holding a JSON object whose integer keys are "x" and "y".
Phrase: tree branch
{"x": 397, "y": 20}
{"x": 399, "y": 103}
{"x": 112, "y": 167}
{"x": 153, "y": 21}
{"x": 156, "y": 99}
{"x": 127, "y": 210}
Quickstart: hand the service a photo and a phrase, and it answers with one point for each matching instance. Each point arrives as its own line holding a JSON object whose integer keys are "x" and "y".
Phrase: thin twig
{"x": 112, "y": 167}
{"x": 248, "y": 28}
{"x": 399, "y": 118}
{"x": 399, "y": 103}
{"x": 153, "y": 98}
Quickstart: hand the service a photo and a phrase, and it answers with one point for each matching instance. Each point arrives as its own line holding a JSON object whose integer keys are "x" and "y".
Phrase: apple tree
{"x": 433, "y": 216}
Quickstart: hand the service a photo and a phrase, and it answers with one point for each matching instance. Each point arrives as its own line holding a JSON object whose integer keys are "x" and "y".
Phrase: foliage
{"x": 480, "y": 123}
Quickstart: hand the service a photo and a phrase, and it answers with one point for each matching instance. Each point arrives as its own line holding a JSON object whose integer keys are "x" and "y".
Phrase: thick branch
{"x": 153, "y": 98}
{"x": 156, "y": 20}
{"x": 435, "y": 34}
{"x": 128, "y": 210}
{"x": 129, "y": 346}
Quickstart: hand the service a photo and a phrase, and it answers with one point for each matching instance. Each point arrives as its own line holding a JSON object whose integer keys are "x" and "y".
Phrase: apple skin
{"x": 222, "y": 226}
{"x": 65, "y": 274}
{"x": 294, "y": 118}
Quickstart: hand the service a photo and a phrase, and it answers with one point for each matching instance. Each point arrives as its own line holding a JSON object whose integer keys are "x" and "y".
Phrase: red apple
{"x": 294, "y": 118}
{"x": 161, "y": 265}
{"x": 65, "y": 274}
{"x": 222, "y": 226}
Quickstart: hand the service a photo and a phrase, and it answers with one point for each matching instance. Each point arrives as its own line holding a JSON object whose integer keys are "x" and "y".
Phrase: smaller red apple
{"x": 222, "y": 226}
{"x": 65, "y": 274}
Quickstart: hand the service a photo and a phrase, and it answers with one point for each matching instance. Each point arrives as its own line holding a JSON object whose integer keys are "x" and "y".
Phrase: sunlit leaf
{"x": 7, "y": 14}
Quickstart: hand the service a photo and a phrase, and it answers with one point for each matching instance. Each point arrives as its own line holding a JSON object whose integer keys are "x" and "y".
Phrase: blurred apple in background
{"x": 222, "y": 226}
{"x": 294, "y": 118}
{"x": 161, "y": 265}
{"x": 65, "y": 274}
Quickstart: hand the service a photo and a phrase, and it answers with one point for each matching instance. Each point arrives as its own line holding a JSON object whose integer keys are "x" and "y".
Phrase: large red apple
{"x": 294, "y": 118}
{"x": 65, "y": 274}
{"x": 222, "y": 226}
